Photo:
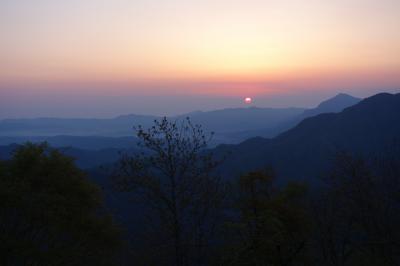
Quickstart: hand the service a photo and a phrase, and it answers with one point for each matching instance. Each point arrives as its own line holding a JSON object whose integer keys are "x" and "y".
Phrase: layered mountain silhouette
{"x": 332, "y": 105}
{"x": 119, "y": 126}
{"x": 230, "y": 125}
{"x": 220, "y": 121}
{"x": 302, "y": 153}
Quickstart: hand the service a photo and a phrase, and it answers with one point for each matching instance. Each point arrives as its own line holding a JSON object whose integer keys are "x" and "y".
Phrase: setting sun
{"x": 184, "y": 132}
{"x": 248, "y": 100}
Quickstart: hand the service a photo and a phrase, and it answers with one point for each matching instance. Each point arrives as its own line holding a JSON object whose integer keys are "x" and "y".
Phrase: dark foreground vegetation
{"x": 50, "y": 214}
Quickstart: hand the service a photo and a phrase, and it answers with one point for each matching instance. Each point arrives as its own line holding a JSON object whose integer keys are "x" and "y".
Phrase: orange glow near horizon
{"x": 208, "y": 47}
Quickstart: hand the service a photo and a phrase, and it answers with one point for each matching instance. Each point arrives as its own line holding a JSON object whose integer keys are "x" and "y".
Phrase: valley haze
{"x": 230, "y": 125}
{"x": 200, "y": 133}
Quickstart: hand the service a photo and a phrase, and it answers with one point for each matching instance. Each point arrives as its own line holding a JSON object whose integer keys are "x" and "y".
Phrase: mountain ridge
{"x": 368, "y": 127}
{"x": 231, "y": 125}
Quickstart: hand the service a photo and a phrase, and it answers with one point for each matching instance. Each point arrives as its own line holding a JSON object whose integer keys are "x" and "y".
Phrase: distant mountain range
{"x": 230, "y": 125}
{"x": 332, "y": 105}
{"x": 115, "y": 127}
{"x": 302, "y": 153}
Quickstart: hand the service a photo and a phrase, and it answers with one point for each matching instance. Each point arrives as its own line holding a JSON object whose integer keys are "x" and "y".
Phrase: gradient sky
{"x": 104, "y": 58}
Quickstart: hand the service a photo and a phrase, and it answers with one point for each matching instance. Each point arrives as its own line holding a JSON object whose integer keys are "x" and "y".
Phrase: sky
{"x": 101, "y": 58}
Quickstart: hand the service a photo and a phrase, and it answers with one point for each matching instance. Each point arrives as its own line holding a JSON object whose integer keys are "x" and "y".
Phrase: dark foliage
{"x": 50, "y": 214}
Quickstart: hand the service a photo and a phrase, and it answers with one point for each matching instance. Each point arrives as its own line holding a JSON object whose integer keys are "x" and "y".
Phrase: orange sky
{"x": 214, "y": 47}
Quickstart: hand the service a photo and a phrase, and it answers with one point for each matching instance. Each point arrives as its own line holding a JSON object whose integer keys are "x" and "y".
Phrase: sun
{"x": 248, "y": 100}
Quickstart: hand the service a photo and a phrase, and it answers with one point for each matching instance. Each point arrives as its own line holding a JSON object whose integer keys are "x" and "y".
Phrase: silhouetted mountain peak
{"x": 382, "y": 105}
{"x": 333, "y": 105}
{"x": 339, "y": 101}
{"x": 368, "y": 127}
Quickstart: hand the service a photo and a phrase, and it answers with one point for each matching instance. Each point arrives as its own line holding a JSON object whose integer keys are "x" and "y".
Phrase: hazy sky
{"x": 103, "y": 58}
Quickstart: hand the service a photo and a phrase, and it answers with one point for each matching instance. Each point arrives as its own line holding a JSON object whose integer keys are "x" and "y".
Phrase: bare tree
{"x": 173, "y": 177}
